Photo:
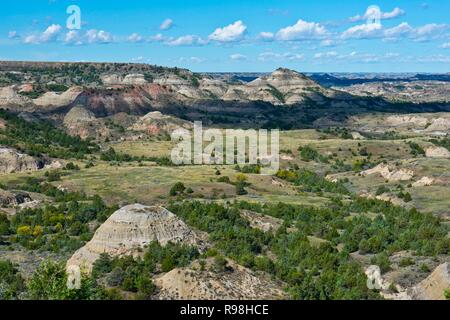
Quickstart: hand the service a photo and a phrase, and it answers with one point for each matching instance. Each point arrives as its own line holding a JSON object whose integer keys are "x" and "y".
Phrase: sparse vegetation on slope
{"x": 39, "y": 138}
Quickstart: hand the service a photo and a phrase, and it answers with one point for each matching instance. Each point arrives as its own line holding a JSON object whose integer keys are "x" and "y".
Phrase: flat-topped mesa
{"x": 130, "y": 229}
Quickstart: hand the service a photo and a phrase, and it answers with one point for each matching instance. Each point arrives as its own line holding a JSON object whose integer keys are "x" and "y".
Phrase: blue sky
{"x": 309, "y": 36}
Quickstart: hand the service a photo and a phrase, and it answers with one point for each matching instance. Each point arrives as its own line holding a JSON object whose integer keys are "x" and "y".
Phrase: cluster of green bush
{"x": 249, "y": 169}
{"x": 442, "y": 142}
{"x": 342, "y": 133}
{"x": 346, "y": 222}
{"x": 48, "y": 282}
{"x": 111, "y": 278}
{"x": 40, "y": 185}
{"x": 310, "y": 272}
{"x": 135, "y": 275}
{"x": 180, "y": 189}
{"x": 39, "y": 138}
{"x": 416, "y": 150}
{"x": 112, "y": 156}
{"x": 64, "y": 227}
{"x": 232, "y": 234}
{"x": 308, "y": 153}
{"x": 312, "y": 182}
{"x": 11, "y": 282}
{"x": 76, "y": 74}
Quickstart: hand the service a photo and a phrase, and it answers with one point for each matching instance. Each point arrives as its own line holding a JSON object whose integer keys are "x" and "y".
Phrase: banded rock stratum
{"x": 130, "y": 229}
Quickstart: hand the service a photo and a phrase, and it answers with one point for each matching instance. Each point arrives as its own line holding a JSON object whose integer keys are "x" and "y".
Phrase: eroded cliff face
{"x": 12, "y": 199}
{"x": 434, "y": 286}
{"x": 390, "y": 172}
{"x": 81, "y": 122}
{"x": 236, "y": 283}
{"x": 10, "y": 97}
{"x": 13, "y": 161}
{"x": 128, "y": 230}
{"x": 124, "y": 89}
{"x": 437, "y": 153}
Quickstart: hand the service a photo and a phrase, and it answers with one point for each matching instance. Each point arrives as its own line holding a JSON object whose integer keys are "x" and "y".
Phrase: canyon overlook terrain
{"x": 284, "y": 98}
{"x": 86, "y": 180}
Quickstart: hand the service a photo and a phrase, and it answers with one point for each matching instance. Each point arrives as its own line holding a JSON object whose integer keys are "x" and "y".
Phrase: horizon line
{"x": 172, "y": 67}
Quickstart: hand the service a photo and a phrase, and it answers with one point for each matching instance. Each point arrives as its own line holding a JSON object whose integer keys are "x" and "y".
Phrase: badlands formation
{"x": 433, "y": 286}
{"x": 155, "y": 123}
{"x": 235, "y": 283}
{"x": 133, "y": 227}
{"x": 13, "y": 161}
{"x": 390, "y": 173}
{"x": 151, "y": 88}
{"x": 130, "y": 229}
{"x": 437, "y": 152}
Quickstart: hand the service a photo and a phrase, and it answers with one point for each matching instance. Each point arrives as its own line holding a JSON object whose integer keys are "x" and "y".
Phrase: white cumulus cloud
{"x": 232, "y": 32}
{"x": 266, "y": 36}
{"x": 135, "y": 37}
{"x": 302, "y": 30}
{"x": 191, "y": 60}
{"x": 50, "y": 34}
{"x": 13, "y": 35}
{"x": 157, "y": 37}
{"x": 329, "y": 54}
{"x": 94, "y": 36}
{"x": 396, "y": 12}
{"x": 362, "y": 31}
{"x": 166, "y": 24}
{"x": 73, "y": 37}
{"x": 431, "y": 29}
{"x": 31, "y": 39}
{"x": 402, "y": 29}
{"x": 328, "y": 43}
{"x": 187, "y": 40}
{"x": 277, "y": 57}
{"x": 238, "y": 57}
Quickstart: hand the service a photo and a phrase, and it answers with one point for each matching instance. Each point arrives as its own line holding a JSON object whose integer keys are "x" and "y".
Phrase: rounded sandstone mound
{"x": 234, "y": 283}
{"x": 77, "y": 114}
{"x": 130, "y": 229}
{"x": 156, "y": 122}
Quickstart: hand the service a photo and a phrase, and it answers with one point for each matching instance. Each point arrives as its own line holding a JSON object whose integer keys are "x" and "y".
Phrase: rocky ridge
{"x": 236, "y": 283}
{"x": 137, "y": 87}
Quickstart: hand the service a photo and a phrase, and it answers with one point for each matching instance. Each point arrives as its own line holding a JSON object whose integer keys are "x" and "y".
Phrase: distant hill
{"x": 284, "y": 98}
{"x": 344, "y": 80}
